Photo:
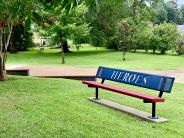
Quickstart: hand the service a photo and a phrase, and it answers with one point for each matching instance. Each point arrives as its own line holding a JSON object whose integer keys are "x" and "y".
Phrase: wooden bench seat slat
{"x": 125, "y": 92}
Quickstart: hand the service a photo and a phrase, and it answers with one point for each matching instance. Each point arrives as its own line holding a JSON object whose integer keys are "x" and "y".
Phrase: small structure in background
{"x": 40, "y": 42}
{"x": 180, "y": 28}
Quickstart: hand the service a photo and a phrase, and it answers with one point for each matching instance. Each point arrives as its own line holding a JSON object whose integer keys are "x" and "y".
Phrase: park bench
{"x": 150, "y": 81}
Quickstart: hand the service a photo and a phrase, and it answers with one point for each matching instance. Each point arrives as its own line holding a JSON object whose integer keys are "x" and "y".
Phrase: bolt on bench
{"x": 150, "y": 81}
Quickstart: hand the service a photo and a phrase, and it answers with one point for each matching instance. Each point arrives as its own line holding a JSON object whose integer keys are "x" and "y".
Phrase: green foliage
{"x": 103, "y": 22}
{"x": 12, "y": 12}
{"x": 182, "y": 14}
{"x": 142, "y": 36}
{"x": 171, "y": 11}
{"x": 168, "y": 11}
{"x": 160, "y": 13}
{"x": 79, "y": 30}
{"x": 79, "y": 34}
{"x": 180, "y": 46}
{"x": 21, "y": 39}
{"x": 125, "y": 35}
{"x": 15, "y": 11}
{"x": 164, "y": 37}
{"x": 62, "y": 25}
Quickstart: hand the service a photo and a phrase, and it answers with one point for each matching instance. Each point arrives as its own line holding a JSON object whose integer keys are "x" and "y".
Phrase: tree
{"x": 63, "y": 25}
{"x": 104, "y": 22}
{"x": 12, "y": 12}
{"x": 125, "y": 35}
{"x": 160, "y": 13}
{"x": 182, "y": 14}
{"x": 171, "y": 12}
{"x": 103, "y": 19}
{"x": 142, "y": 37}
{"x": 23, "y": 11}
{"x": 21, "y": 38}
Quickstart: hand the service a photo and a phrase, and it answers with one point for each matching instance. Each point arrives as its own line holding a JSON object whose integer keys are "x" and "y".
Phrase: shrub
{"x": 180, "y": 46}
{"x": 142, "y": 38}
{"x": 164, "y": 37}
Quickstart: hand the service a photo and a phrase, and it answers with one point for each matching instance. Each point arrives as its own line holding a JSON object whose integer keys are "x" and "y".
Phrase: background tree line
{"x": 97, "y": 22}
{"x": 137, "y": 24}
{"x": 117, "y": 24}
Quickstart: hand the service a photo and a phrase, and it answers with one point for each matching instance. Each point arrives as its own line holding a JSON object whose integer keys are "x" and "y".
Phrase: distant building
{"x": 180, "y": 28}
{"x": 177, "y": 3}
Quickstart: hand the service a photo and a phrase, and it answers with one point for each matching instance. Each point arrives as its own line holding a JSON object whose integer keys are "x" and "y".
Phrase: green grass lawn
{"x": 37, "y": 107}
{"x": 91, "y": 57}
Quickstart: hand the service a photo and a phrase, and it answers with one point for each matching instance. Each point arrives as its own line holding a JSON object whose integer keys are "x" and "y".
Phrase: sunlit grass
{"x": 93, "y": 57}
{"x": 35, "y": 107}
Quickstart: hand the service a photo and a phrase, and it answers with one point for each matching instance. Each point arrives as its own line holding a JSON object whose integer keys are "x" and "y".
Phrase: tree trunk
{"x": 134, "y": 11}
{"x": 146, "y": 49}
{"x": 135, "y": 49}
{"x": 124, "y": 55}
{"x": 4, "y": 42}
{"x": 124, "y": 52}
{"x": 2, "y": 69}
{"x": 62, "y": 55}
{"x": 65, "y": 47}
{"x": 162, "y": 51}
{"x": 2, "y": 63}
{"x": 154, "y": 50}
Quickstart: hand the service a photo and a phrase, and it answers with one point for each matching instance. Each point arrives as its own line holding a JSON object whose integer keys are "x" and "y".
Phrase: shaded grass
{"x": 92, "y": 57}
{"x": 36, "y": 107}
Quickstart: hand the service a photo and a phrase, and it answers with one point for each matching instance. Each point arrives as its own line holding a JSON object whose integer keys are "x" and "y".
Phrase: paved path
{"x": 55, "y": 71}
{"x": 58, "y": 71}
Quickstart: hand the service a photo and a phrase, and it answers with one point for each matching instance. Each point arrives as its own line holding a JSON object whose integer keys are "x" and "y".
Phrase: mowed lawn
{"x": 93, "y": 57}
{"x": 45, "y": 108}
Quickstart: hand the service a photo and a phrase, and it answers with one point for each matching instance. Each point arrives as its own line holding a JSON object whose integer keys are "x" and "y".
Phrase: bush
{"x": 113, "y": 43}
{"x": 142, "y": 38}
{"x": 180, "y": 46}
{"x": 164, "y": 37}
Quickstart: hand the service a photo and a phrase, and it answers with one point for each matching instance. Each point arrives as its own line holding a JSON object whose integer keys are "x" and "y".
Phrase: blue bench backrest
{"x": 155, "y": 82}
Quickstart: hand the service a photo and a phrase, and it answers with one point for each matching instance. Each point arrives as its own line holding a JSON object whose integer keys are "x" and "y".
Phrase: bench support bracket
{"x": 160, "y": 94}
